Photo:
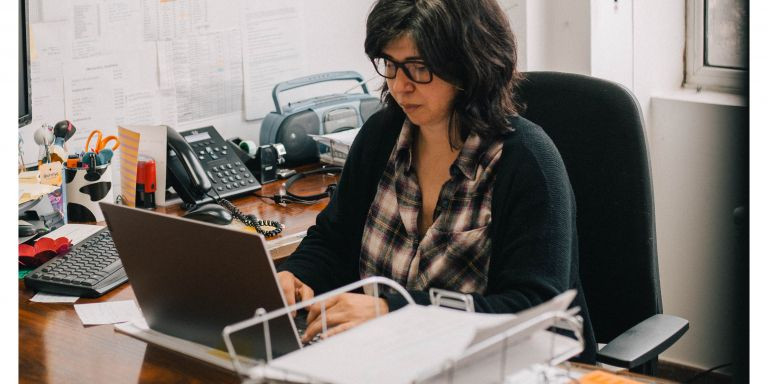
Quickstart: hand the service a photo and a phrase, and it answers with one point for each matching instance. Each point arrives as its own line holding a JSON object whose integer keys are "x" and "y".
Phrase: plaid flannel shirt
{"x": 455, "y": 251}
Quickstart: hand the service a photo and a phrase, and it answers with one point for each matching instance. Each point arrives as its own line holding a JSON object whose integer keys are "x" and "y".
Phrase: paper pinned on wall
{"x": 273, "y": 51}
{"x": 208, "y": 74}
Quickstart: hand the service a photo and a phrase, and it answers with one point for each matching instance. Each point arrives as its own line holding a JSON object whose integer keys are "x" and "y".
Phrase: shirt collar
{"x": 474, "y": 152}
{"x": 404, "y": 144}
{"x": 469, "y": 156}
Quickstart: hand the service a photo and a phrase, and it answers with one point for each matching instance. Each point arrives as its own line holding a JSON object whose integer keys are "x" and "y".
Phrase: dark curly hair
{"x": 467, "y": 43}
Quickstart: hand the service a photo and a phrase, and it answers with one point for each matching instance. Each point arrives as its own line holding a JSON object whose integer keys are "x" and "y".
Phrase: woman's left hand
{"x": 343, "y": 312}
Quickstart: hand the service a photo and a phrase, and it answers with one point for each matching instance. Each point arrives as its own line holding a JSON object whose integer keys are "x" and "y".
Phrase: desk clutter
{"x": 90, "y": 269}
{"x": 426, "y": 344}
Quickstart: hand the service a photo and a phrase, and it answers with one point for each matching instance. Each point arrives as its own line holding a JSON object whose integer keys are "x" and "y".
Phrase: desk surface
{"x": 54, "y": 346}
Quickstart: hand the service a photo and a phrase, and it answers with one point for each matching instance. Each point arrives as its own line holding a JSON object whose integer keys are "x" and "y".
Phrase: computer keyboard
{"x": 90, "y": 269}
{"x": 301, "y": 326}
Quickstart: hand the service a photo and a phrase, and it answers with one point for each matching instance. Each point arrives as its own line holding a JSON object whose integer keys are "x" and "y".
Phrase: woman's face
{"x": 427, "y": 105}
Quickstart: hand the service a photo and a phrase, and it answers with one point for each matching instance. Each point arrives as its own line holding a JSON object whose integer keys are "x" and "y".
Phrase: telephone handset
{"x": 185, "y": 172}
{"x": 200, "y": 162}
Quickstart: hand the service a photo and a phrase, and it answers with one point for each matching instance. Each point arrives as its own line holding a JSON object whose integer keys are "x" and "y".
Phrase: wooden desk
{"x": 54, "y": 346}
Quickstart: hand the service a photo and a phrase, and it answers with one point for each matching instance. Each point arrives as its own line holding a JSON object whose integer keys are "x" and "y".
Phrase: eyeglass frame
{"x": 401, "y": 65}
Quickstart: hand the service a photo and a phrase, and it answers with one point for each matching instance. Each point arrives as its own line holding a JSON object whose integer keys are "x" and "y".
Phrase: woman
{"x": 447, "y": 186}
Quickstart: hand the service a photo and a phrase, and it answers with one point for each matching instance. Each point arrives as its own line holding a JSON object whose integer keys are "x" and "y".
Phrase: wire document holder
{"x": 447, "y": 373}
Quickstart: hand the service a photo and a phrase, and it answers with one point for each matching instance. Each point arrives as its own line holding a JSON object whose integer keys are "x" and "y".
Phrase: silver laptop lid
{"x": 192, "y": 278}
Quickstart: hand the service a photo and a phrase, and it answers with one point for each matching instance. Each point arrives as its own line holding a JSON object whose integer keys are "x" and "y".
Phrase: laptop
{"x": 191, "y": 279}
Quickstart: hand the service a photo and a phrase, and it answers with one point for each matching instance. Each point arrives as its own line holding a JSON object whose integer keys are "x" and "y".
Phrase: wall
{"x": 697, "y": 143}
{"x": 553, "y": 34}
{"x": 332, "y": 40}
{"x": 700, "y": 157}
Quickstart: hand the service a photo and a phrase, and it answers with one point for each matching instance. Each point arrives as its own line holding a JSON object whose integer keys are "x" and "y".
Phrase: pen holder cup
{"x": 84, "y": 189}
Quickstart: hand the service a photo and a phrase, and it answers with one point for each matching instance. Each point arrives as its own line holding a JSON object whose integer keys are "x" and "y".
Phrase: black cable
{"x": 249, "y": 220}
{"x": 708, "y": 371}
{"x": 289, "y": 197}
{"x": 329, "y": 190}
{"x": 285, "y": 199}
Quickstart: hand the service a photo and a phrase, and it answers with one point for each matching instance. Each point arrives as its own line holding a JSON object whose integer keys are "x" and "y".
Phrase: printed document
{"x": 400, "y": 347}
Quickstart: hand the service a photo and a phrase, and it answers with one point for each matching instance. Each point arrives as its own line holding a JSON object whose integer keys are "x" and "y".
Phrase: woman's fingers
{"x": 286, "y": 281}
{"x": 316, "y": 326}
{"x": 341, "y": 328}
{"x": 315, "y": 310}
{"x": 305, "y": 292}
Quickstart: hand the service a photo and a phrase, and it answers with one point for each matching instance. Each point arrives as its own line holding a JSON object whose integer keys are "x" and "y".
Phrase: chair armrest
{"x": 643, "y": 342}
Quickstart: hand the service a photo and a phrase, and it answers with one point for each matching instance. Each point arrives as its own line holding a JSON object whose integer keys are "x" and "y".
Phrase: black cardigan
{"x": 534, "y": 243}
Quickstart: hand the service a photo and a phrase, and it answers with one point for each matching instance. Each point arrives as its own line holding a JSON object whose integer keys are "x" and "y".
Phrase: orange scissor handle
{"x": 98, "y": 140}
{"x": 103, "y": 143}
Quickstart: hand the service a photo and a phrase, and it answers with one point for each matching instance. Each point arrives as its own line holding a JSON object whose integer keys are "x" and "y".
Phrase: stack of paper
{"x": 426, "y": 343}
{"x": 336, "y": 146}
{"x": 423, "y": 344}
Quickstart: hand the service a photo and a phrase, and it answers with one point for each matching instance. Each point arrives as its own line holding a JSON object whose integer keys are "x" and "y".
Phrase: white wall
{"x": 333, "y": 41}
{"x": 697, "y": 144}
{"x": 699, "y": 152}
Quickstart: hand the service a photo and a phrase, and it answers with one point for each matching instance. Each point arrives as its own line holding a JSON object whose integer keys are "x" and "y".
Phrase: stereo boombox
{"x": 291, "y": 125}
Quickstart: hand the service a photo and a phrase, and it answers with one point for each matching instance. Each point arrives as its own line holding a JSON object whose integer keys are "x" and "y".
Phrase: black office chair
{"x": 598, "y": 128}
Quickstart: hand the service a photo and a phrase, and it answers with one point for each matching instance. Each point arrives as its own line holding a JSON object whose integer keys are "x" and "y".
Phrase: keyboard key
{"x": 114, "y": 266}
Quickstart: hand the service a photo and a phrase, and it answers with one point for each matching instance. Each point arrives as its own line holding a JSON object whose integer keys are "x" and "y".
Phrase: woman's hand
{"x": 294, "y": 289}
{"x": 343, "y": 312}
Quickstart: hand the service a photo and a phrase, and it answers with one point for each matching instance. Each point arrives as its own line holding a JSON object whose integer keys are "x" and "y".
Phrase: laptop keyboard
{"x": 90, "y": 269}
{"x": 301, "y": 325}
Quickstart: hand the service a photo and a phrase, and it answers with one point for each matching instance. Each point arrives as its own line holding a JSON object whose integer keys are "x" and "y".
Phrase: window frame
{"x": 697, "y": 74}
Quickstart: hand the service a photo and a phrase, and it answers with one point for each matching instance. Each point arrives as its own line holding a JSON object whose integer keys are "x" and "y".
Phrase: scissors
{"x": 101, "y": 143}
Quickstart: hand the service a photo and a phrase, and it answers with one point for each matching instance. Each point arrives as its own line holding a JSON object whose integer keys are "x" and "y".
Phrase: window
{"x": 716, "y": 44}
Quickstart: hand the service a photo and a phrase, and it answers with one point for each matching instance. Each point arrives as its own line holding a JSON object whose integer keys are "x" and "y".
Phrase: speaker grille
{"x": 294, "y": 134}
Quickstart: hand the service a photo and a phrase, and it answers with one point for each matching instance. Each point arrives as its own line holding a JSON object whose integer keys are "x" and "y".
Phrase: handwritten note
{"x": 50, "y": 173}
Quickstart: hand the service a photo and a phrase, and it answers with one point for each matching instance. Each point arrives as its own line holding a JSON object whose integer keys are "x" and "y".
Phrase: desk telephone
{"x": 200, "y": 161}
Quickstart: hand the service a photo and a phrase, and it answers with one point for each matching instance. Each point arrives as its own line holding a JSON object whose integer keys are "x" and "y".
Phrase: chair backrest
{"x": 598, "y": 128}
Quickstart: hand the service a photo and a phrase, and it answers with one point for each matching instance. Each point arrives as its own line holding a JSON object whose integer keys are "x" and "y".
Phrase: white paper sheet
{"x": 47, "y": 50}
{"x": 74, "y": 232}
{"x": 411, "y": 339}
{"x": 103, "y": 27}
{"x": 53, "y": 10}
{"x": 273, "y": 48}
{"x": 165, "y": 76}
{"x": 208, "y": 74}
{"x": 415, "y": 339}
{"x": 42, "y": 297}
{"x": 47, "y": 91}
{"x": 168, "y": 20}
{"x": 111, "y": 312}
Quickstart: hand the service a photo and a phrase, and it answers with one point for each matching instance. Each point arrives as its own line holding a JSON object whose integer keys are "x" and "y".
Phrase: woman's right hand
{"x": 294, "y": 289}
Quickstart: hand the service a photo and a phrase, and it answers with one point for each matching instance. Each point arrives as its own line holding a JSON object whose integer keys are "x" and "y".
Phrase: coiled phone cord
{"x": 250, "y": 220}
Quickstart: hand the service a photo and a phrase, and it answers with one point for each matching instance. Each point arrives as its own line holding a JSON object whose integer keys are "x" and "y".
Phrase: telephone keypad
{"x": 227, "y": 174}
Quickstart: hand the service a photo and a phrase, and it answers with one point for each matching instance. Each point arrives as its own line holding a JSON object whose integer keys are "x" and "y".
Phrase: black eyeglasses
{"x": 417, "y": 71}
